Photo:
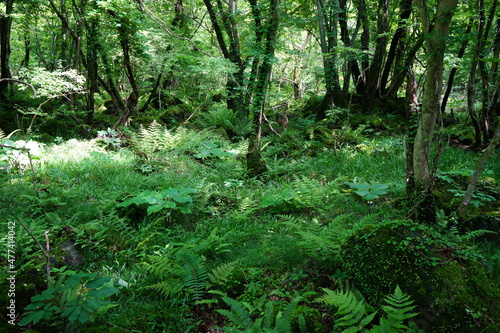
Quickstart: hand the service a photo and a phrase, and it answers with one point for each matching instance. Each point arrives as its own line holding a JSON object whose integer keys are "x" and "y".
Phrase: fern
{"x": 269, "y": 318}
{"x": 239, "y": 313}
{"x": 352, "y": 312}
{"x": 323, "y": 242}
{"x": 195, "y": 273}
{"x": 221, "y": 273}
{"x": 397, "y": 312}
{"x": 153, "y": 138}
{"x": 178, "y": 272}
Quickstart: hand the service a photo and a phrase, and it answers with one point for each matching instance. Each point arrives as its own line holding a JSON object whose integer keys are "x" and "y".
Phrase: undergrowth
{"x": 192, "y": 244}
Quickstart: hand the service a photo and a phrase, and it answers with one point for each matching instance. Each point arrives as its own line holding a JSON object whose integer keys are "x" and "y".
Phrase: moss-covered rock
{"x": 447, "y": 281}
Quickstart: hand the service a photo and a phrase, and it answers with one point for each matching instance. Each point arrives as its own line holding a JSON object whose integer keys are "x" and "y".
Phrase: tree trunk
{"x": 5, "y": 30}
{"x": 255, "y": 164}
{"x": 397, "y": 44}
{"x": 236, "y": 98}
{"x": 479, "y": 170}
{"x": 451, "y": 77}
{"x": 352, "y": 64}
{"x": 411, "y": 111}
{"x": 438, "y": 32}
{"x": 327, "y": 20}
{"x": 373, "y": 79}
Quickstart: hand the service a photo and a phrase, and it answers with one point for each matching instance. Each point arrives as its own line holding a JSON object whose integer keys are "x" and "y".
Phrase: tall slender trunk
{"x": 453, "y": 72}
{"x": 5, "y": 31}
{"x": 327, "y": 20}
{"x": 397, "y": 45}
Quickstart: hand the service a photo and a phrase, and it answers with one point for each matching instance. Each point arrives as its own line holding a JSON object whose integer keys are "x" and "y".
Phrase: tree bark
{"x": 255, "y": 164}
{"x": 327, "y": 20}
{"x": 438, "y": 31}
{"x": 5, "y": 31}
{"x": 373, "y": 79}
{"x": 397, "y": 43}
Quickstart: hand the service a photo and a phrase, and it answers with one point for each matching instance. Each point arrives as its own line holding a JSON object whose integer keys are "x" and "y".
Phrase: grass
{"x": 258, "y": 224}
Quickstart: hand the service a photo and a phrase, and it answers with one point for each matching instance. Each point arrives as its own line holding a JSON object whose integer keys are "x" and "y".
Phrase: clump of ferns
{"x": 320, "y": 242}
{"x": 353, "y": 314}
{"x": 182, "y": 271}
{"x": 153, "y": 138}
{"x": 263, "y": 315}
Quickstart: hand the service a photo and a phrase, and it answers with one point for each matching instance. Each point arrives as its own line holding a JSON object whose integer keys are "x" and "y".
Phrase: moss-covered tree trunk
{"x": 437, "y": 30}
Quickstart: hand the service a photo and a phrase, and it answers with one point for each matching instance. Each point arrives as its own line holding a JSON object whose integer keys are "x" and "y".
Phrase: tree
{"x": 5, "y": 32}
{"x": 436, "y": 28}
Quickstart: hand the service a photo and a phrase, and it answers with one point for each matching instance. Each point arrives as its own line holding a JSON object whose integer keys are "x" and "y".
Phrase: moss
{"x": 453, "y": 294}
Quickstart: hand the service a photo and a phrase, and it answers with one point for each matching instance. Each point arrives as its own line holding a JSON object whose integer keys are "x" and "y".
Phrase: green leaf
{"x": 370, "y": 196}
{"x": 154, "y": 209}
{"x": 34, "y": 318}
{"x": 98, "y": 282}
{"x": 362, "y": 193}
{"x": 103, "y": 292}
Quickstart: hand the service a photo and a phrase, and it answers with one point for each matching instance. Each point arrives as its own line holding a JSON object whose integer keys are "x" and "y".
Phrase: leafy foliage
{"x": 75, "y": 297}
{"x": 369, "y": 192}
{"x": 171, "y": 198}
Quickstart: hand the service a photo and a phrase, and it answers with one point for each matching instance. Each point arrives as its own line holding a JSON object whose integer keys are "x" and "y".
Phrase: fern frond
{"x": 475, "y": 233}
{"x": 195, "y": 273}
{"x": 284, "y": 320}
{"x": 247, "y": 205}
{"x": 397, "y": 312}
{"x": 238, "y": 313}
{"x": 221, "y": 273}
{"x": 351, "y": 312}
{"x": 167, "y": 288}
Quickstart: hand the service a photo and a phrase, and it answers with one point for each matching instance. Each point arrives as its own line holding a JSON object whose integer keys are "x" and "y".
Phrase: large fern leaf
{"x": 397, "y": 312}
{"x": 195, "y": 273}
{"x": 221, "y": 273}
{"x": 239, "y": 313}
{"x": 351, "y": 313}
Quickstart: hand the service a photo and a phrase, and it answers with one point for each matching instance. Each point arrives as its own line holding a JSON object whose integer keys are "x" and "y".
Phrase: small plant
{"x": 369, "y": 192}
{"x": 170, "y": 198}
{"x": 75, "y": 298}
{"x": 209, "y": 150}
{"x": 110, "y": 138}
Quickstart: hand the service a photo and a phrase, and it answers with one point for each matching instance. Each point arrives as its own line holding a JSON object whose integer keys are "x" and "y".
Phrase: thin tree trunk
{"x": 411, "y": 126}
{"x": 373, "y": 78}
{"x": 471, "y": 83}
{"x": 451, "y": 77}
{"x": 397, "y": 44}
{"x": 477, "y": 173}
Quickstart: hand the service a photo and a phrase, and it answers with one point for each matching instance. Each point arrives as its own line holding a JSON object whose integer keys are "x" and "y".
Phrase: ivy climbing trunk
{"x": 438, "y": 31}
